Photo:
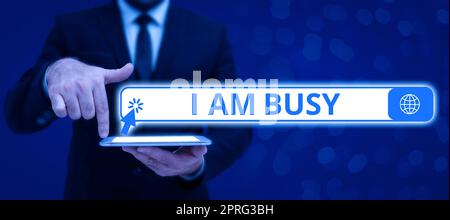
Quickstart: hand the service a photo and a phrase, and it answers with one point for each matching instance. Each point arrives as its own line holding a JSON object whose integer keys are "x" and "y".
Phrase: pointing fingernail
{"x": 103, "y": 133}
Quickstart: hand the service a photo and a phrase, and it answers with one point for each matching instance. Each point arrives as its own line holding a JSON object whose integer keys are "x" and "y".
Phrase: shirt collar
{"x": 157, "y": 13}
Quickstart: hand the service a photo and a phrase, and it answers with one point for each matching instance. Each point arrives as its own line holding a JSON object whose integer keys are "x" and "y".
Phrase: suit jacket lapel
{"x": 173, "y": 32}
{"x": 112, "y": 29}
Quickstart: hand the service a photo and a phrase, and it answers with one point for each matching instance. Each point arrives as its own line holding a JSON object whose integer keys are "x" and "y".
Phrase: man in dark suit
{"x": 86, "y": 57}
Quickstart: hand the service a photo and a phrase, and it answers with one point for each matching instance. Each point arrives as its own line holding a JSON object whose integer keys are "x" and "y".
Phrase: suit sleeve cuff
{"x": 44, "y": 82}
{"x": 196, "y": 174}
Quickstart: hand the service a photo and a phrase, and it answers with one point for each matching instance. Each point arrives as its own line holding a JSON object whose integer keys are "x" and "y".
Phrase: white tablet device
{"x": 155, "y": 141}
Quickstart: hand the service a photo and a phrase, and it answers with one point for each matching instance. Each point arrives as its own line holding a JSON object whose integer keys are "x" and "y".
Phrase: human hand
{"x": 182, "y": 162}
{"x": 78, "y": 90}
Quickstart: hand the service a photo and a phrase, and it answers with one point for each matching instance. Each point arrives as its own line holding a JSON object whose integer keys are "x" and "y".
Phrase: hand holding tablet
{"x": 166, "y": 155}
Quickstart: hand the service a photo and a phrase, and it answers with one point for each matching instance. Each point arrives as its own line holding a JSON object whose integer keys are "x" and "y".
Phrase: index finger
{"x": 101, "y": 110}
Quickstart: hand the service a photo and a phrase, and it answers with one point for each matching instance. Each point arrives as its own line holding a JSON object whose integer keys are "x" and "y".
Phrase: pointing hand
{"x": 78, "y": 90}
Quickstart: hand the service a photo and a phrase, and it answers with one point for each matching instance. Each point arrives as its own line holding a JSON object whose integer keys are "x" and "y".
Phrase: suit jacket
{"x": 96, "y": 37}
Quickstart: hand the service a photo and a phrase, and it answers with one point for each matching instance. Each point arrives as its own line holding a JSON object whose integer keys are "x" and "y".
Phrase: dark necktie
{"x": 143, "y": 56}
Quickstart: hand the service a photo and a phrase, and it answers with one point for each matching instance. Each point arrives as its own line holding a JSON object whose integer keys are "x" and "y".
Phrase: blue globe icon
{"x": 409, "y": 104}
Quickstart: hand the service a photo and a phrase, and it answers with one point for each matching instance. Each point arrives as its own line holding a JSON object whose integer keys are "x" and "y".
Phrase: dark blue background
{"x": 354, "y": 41}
